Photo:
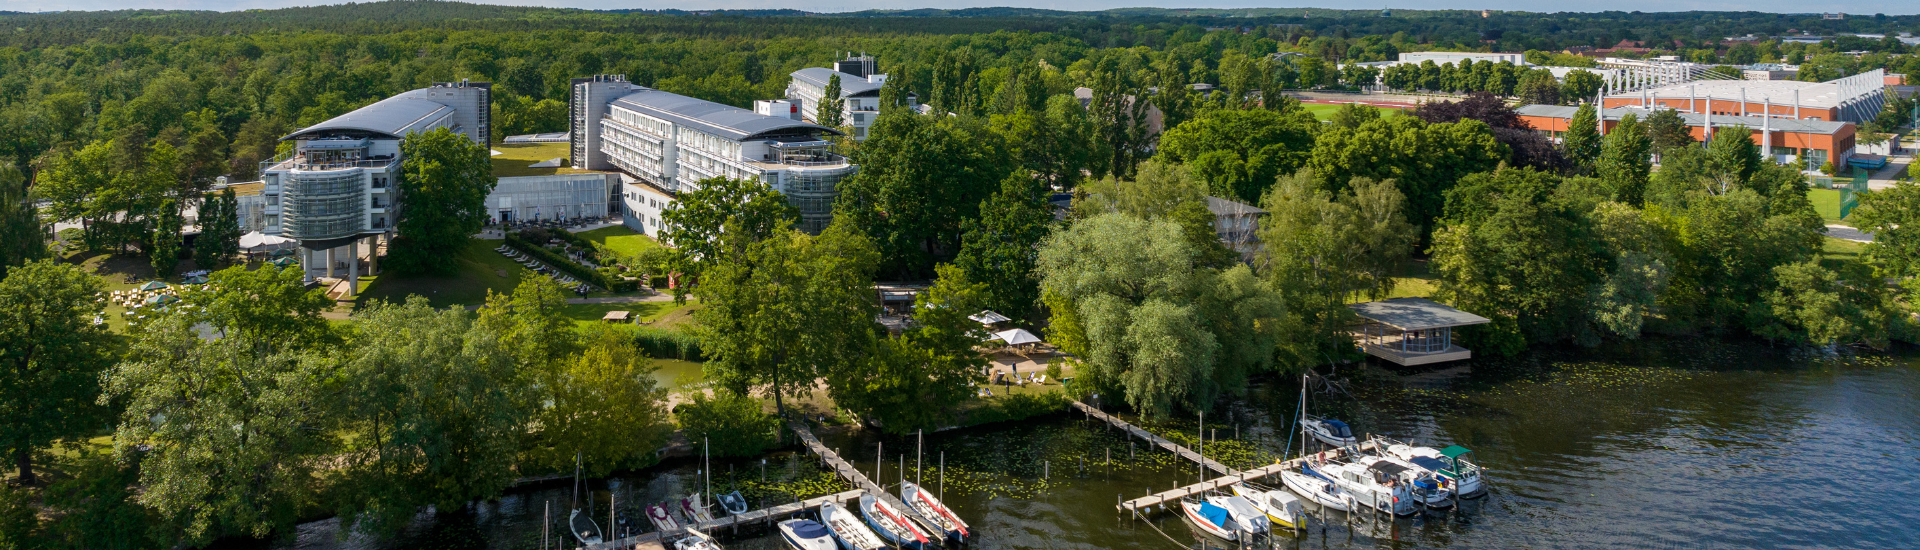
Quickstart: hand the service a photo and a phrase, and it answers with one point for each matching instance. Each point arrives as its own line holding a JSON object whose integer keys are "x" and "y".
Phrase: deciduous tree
{"x": 51, "y": 356}
{"x": 1239, "y": 153}
{"x": 445, "y": 181}
{"x": 1001, "y": 247}
{"x": 23, "y": 235}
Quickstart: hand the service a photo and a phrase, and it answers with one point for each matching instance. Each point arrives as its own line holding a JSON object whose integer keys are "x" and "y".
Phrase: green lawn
{"x": 645, "y": 312}
{"x": 1323, "y": 111}
{"x": 1826, "y": 202}
{"x": 478, "y": 270}
{"x": 623, "y": 241}
{"x": 514, "y": 159}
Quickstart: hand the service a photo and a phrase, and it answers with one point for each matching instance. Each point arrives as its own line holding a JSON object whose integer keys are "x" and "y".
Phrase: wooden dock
{"x": 1136, "y": 431}
{"x": 768, "y": 514}
{"x": 1167, "y": 498}
{"x": 853, "y": 475}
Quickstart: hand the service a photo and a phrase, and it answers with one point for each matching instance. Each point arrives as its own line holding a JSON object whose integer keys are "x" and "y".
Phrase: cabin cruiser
{"x": 1317, "y": 487}
{"x": 1462, "y": 476}
{"x": 1426, "y": 488}
{"x": 805, "y": 534}
{"x": 1379, "y": 485}
{"x": 1328, "y": 431}
{"x": 1282, "y": 508}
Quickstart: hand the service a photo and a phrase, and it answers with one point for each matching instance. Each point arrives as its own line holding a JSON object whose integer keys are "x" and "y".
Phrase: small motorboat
{"x": 1462, "y": 476}
{"x": 696, "y": 540}
{"x": 1248, "y": 519}
{"x": 893, "y": 525}
{"x": 846, "y": 527}
{"x": 1314, "y": 486}
{"x": 1282, "y": 508}
{"x": 806, "y": 534}
{"x": 933, "y": 510}
{"x": 695, "y": 513}
{"x": 1210, "y": 519}
{"x": 733, "y": 503}
{"x": 1425, "y": 487}
{"x": 662, "y": 518}
{"x": 583, "y": 528}
{"x": 1328, "y": 431}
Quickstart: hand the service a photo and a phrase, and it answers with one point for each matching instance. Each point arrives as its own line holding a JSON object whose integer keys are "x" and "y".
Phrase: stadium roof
{"x": 1801, "y": 126}
{"x": 1824, "y": 95}
{"x": 850, "y": 85}
{"x": 726, "y": 121}
{"x": 390, "y": 117}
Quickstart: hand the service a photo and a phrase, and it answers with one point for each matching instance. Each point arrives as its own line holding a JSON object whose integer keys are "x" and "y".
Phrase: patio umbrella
{"x": 260, "y": 242}
{"x": 1017, "y": 337}
{"x": 284, "y": 262}
{"x": 153, "y": 285}
{"x": 988, "y": 317}
{"x": 162, "y": 299}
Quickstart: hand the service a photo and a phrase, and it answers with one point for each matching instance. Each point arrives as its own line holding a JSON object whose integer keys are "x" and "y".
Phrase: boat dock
{"x": 853, "y": 475}
{"x": 1164, "y": 499}
{"x": 1136, "y": 431}
{"x": 768, "y": 514}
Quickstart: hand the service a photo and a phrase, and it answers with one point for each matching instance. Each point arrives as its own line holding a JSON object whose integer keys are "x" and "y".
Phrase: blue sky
{"x": 1849, "y": 6}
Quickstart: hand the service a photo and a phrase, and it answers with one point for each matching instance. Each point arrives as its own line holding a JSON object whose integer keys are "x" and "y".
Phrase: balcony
{"x": 301, "y": 162}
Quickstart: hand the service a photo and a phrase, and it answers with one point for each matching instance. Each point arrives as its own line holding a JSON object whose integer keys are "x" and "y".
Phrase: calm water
{"x": 1673, "y": 443}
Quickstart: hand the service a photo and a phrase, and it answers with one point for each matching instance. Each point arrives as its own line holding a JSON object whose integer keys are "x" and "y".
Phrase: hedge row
{"x": 668, "y": 344}
{"x": 562, "y": 263}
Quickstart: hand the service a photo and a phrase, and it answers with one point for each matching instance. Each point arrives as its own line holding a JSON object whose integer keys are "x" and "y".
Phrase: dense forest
{"x": 121, "y": 118}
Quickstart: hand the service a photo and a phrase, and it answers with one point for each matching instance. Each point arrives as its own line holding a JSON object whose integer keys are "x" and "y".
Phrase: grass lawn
{"x": 623, "y": 241}
{"x": 1413, "y": 281}
{"x": 478, "y": 270}
{"x": 645, "y": 312}
{"x": 513, "y": 159}
{"x": 1842, "y": 249}
{"x": 1324, "y": 111}
{"x": 1826, "y": 202}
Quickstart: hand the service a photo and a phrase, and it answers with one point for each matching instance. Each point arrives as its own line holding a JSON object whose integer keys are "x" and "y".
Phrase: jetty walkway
{"x": 853, "y": 475}
{"x": 1162, "y": 499}
{"x": 658, "y": 539}
{"x": 1162, "y": 442}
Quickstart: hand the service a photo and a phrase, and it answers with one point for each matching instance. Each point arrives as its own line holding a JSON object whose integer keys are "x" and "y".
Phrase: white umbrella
{"x": 258, "y": 240}
{"x": 1017, "y": 336}
{"x": 988, "y": 317}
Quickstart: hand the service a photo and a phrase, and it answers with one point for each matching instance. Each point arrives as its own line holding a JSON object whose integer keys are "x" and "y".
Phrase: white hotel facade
{"x": 664, "y": 144}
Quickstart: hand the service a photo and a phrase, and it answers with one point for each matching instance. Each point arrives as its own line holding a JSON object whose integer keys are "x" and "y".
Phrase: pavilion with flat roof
{"x": 1412, "y": 331}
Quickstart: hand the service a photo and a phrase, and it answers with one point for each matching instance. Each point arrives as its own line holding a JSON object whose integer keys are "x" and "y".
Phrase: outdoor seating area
{"x": 151, "y": 298}
{"x": 537, "y": 266}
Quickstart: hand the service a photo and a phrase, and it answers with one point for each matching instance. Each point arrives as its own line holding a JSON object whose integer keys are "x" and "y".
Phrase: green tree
{"x": 1732, "y": 159}
{"x": 1668, "y": 130}
{"x": 1626, "y": 160}
{"x": 166, "y": 241}
{"x": 1892, "y": 215}
{"x": 1000, "y": 248}
{"x": 1162, "y": 191}
{"x": 730, "y": 424}
{"x": 1582, "y": 141}
{"x": 445, "y": 181}
{"x": 1580, "y": 85}
{"x": 831, "y": 107}
{"x": 921, "y": 178}
{"x": 23, "y": 235}
{"x": 720, "y": 218}
{"x": 1324, "y": 250}
{"x": 1539, "y": 87}
{"x": 1819, "y": 305}
{"x": 266, "y": 309}
{"x": 1239, "y": 153}
{"x": 95, "y": 506}
{"x": 1353, "y": 115}
{"x": 432, "y": 408}
{"x": 1055, "y": 144}
{"x": 783, "y": 313}
{"x": 918, "y": 379}
{"x": 51, "y": 357}
{"x": 219, "y": 239}
{"x": 1527, "y": 263}
{"x": 606, "y": 407}
{"x": 1636, "y": 241}
{"x": 1423, "y": 159}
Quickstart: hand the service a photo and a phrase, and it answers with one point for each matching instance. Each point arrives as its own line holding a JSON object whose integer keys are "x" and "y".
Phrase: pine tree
{"x": 1582, "y": 141}
{"x": 831, "y": 106}
{"x": 219, "y": 237}
{"x": 166, "y": 241}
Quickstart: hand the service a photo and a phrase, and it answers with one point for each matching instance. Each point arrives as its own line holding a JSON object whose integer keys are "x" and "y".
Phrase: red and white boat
{"x": 933, "y": 510}
{"x": 1210, "y": 519}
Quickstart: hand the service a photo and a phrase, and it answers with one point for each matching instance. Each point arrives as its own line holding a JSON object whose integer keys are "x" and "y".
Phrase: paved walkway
{"x": 1849, "y": 234}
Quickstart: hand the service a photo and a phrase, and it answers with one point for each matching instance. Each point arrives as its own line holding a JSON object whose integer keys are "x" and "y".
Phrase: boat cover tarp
{"x": 1454, "y": 451}
{"x": 808, "y": 529}
{"x": 1215, "y": 514}
{"x": 1428, "y": 462}
{"x": 1388, "y": 468}
{"x": 1338, "y": 428}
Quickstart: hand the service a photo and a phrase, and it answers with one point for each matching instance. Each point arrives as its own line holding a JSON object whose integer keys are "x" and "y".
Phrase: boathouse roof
{"x": 1415, "y": 314}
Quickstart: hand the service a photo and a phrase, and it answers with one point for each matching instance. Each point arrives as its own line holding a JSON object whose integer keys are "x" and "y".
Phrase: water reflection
{"x": 1656, "y": 443}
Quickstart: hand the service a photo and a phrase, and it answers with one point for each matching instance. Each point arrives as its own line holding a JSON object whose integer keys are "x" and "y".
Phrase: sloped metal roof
{"x": 850, "y": 85}
{"x": 1415, "y": 314}
{"x": 714, "y": 118}
{"x": 393, "y": 116}
{"x": 1803, "y": 126}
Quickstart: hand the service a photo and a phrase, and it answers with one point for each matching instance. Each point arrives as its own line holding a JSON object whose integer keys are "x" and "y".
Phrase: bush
{"x": 732, "y": 423}
{"x": 1017, "y": 406}
{"x": 668, "y": 344}
{"x": 561, "y": 262}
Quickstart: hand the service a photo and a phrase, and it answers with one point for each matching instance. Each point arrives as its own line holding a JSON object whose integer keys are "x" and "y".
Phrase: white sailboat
{"x": 580, "y": 524}
{"x": 696, "y": 540}
{"x": 846, "y": 527}
{"x": 1328, "y": 431}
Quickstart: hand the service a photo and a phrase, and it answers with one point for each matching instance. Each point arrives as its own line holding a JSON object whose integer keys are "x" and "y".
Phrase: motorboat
{"x": 1328, "y": 431}
{"x": 733, "y": 503}
{"x": 930, "y": 507}
{"x": 1247, "y": 518}
{"x": 1427, "y": 489}
{"x": 1376, "y": 484}
{"x": 694, "y": 512}
{"x": 1283, "y": 509}
{"x": 893, "y": 525}
{"x": 696, "y": 540}
{"x": 806, "y": 534}
{"x": 662, "y": 518}
{"x": 1462, "y": 476}
{"x": 1210, "y": 518}
{"x": 583, "y": 528}
{"x": 846, "y": 527}
{"x": 1318, "y": 488}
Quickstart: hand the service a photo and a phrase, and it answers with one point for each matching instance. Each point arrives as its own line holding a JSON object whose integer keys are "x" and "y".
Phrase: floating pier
{"x": 1136, "y": 431}
{"x": 1162, "y": 499}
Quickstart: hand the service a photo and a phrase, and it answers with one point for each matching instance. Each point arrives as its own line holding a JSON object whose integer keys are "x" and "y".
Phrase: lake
{"x": 1658, "y": 443}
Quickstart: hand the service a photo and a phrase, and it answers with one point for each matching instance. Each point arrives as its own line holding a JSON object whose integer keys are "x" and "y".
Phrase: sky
{"x": 1868, "y": 7}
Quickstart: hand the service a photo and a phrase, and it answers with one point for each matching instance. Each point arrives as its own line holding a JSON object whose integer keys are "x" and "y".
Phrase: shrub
{"x": 732, "y": 423}
{"x": 561, "y": 262}
{"x": 1017, "y": 406}
{"x": 668, "y": 344}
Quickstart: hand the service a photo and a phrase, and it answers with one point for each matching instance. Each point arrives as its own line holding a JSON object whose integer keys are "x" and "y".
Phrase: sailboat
{"x": 1328, "y": 431}
{"x": 662, "y": 518}
{"x": 580, "y": 524}
{"x": 931, "y": 508}
{"x": 694, "y": 512}
{"x": 1309, "y": 482}
{"x": 847, "y": 527}
{"x": 892, "y": 524}
{"x": 696, "y": 540}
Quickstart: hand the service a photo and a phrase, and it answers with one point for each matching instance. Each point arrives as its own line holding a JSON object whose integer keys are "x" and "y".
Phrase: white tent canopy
{"x": 1017, "y": 337}
{"x": 261, "y": 241}
{"x": 988, "y": 317}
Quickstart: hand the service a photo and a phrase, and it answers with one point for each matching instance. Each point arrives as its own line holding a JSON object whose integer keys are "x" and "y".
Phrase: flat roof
{"x": 392, "y": 117}
{"x": 1223, "y": 207}
{"x": 1819, "y": 95}
{"x": 850, "y": 85}
{"x": 726, "y": 121}
{"x": 1799, "y": 126}
{"x": 1415, "y": 314}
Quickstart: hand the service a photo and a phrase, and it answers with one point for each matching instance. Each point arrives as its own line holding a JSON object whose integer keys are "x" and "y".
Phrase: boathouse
{"x": 1412, "y": 331}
